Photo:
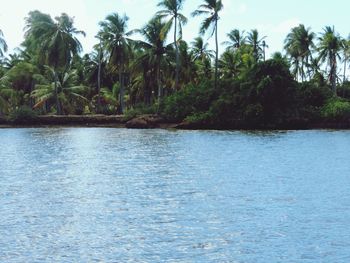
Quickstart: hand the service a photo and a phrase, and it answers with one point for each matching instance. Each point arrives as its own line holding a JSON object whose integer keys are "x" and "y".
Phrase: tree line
{"x": 49, "y": 75}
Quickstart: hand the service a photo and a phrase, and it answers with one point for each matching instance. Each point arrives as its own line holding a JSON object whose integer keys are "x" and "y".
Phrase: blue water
{"x": 117, "y": 195}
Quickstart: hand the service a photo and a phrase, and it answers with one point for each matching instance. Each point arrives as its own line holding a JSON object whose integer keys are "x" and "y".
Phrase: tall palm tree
{"x": 171, "y": 10}
{"x": 299, "y": 45}
{"x": 115, "y": 39}
{"x": 329, "y": 48}
{"x": 55, "y": 39}
{"x": 211, "y": 9}
{"x": 3, "y": 45}
{"x": 346, "y": 54}
{"x": 236, "y": 39}
{"x": 153, "y": 50}
{"x": 256, "y": 43}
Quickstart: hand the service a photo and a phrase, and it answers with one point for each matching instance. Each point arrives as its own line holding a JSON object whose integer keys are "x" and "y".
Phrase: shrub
{"x": 344, "y": 90}
{"x": 336, "y": 110}
{"x": 192, "y": 99}
{"x": 139, "y": 110}
{"x": 199, "y": 118}
{"x": 23, "y": 114}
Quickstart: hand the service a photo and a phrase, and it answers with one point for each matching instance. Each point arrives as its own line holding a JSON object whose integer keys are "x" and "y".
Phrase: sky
{"x": 272, "y": 18}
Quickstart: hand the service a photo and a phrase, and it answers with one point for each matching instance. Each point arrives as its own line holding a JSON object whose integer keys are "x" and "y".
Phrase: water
{"x": 117, "y": 195}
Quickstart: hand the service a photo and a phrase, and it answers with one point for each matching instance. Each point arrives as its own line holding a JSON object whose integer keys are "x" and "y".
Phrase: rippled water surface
{"x": 117, "y": 195}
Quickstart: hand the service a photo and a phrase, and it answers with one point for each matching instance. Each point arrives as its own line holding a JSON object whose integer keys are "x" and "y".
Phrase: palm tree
{"x": 64, "y": 87}
{"x": 3, "y": 45}
{"x": 200, "y": 50}
{"x": 55, "y": 39}
{"x": 264, "y": 47}
{"x": 236, "y": 39}
{"x": 299, "y": 45}
{"x": 256, "y": 43}
{"x": 171, "y": 10}
{"x": 152, "y": 53}
{"x": 329, "y": 48}
{"x": 211, "y": 8}
{"x": 8, "y": 95}
{"x": 280, "y": 57}
{"x": 115, "y": 39}
{"x": 346, "y": 54}
{"x": 228, "y": 64}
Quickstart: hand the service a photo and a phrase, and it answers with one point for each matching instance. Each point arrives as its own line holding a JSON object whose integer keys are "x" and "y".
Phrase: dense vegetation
{"x": 176, "y": 79}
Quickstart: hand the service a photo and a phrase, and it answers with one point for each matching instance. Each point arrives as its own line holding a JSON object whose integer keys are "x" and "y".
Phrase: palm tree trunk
{"x": 177, "y": 56}
{"x": 302, "y": 71}
{"x": 333, "y": 74}
{"x": 121, "y": 91}
{"x": 58, "y": 105}
{"x": 147, "y": 91}
{"x": 217, "y": 53}
{"x": 264, "y": 53}
{"x": 344, "y": 77}
{"x": 99, "y": 82}
{"x": 159, "y": 84}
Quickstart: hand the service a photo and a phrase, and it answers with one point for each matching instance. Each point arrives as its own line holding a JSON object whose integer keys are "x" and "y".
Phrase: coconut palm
{"x": 63, "y": 87}
{"x": 256, "y": 43}
{"x": 346, "y": 55}
{"x": 188, "y": 67}
{"x": 153, "y": 50}
{"x": 211, "y": 9}
{"x": 299, "y": 45}
{"x": 115, "y": 39}
{"x": 236, "y": 40}
{"x": 329, "y": 48}
{"x": 228, "y": 64}
{"x": 8, "y": 96}
{"x": 200, "y": 50}
{"x": 171, "y": 11}
{"x": 3, "y": 45}
{"x": 56, "y": 40}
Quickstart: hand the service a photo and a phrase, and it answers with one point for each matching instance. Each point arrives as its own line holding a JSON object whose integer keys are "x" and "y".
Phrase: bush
{"x": 336, "y": 110}
{"x": 199, "y": 118}
{"x": 265, "y": 95}
{"x": 272, "y": 89}
{"x": 139, "y": 110}
{"x": 23, "y": 114}
{"x": 188, "y": 101}
{"x": 311, "y": 99}
{"x": 310, "y": 94}
{"x": 344, "y": 90}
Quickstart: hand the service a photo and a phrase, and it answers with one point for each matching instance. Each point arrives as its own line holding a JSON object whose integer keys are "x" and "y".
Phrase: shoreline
{"x": 156, "y": 122}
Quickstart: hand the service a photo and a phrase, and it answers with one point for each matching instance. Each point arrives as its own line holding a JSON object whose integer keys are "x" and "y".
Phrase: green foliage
{"x": 70, "y": 95}
{"x": 21, "y": 76}
{"x": 139, "y": 110}
{"x": 344, "y": 90}
{"x": 189, "y": 100}
{"x": 336, "y": 109}
{"x": 152, "y": 75}
{"x": 23, "y": 115}
{"x": 311, "y": 98}
{"x": 312, "y": 95}
{"x": 270, "y": 92}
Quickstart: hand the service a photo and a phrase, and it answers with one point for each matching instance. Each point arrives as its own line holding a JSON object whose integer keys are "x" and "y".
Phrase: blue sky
{"x": 273, "y": 18}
